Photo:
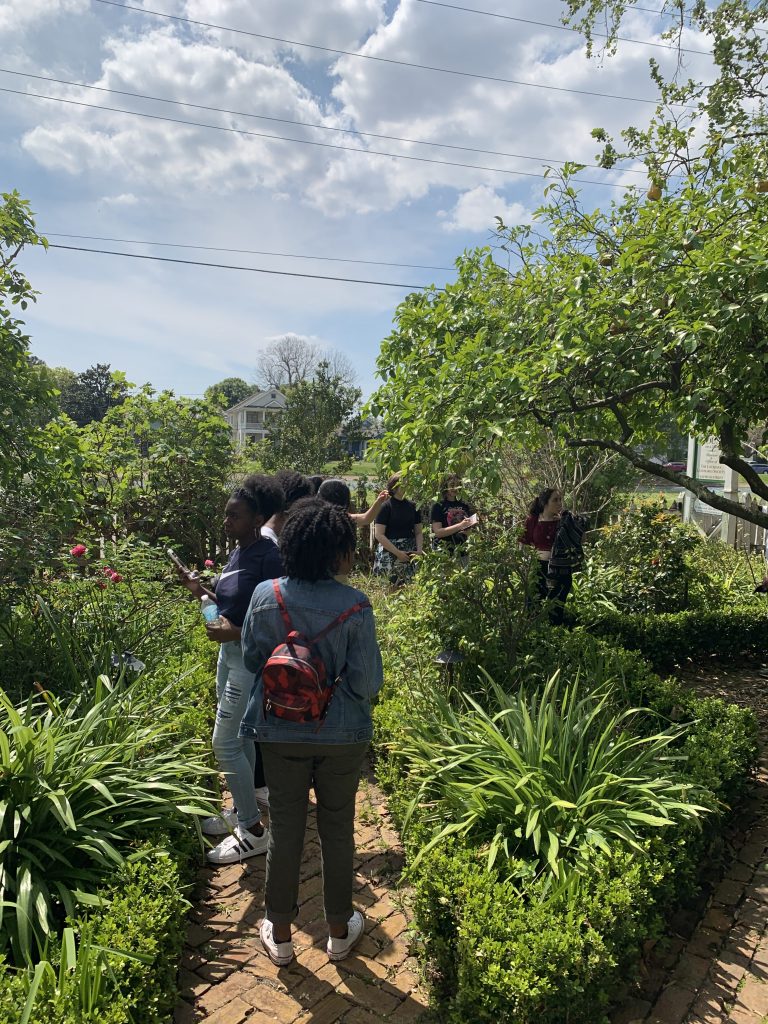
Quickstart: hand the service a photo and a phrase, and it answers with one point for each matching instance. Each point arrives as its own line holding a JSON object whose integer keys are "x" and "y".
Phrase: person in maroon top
{"x": 539, "y": 533}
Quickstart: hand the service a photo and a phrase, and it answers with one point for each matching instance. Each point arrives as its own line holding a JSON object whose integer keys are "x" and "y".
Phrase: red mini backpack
{"x": 295, "y": 675}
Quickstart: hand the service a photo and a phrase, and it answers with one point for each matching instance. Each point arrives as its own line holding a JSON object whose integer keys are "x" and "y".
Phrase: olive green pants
{"x": 334, "y": 771}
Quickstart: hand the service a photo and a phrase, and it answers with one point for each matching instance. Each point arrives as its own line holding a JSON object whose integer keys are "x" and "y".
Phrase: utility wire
{"x": 242, "y": 252}
{"x": 300, "y": 142}
{"x": 380, "y": 60}
{"x": 563, "y": 28}
{"x": 301, "y": 124}
{"x": 228, "y": 266}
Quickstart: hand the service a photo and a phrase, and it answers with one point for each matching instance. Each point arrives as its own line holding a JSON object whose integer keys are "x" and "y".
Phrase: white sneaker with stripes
{"x": 238, "y": 847}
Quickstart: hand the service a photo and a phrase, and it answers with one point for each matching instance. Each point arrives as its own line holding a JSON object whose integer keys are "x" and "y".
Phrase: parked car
{"x": 759, "y": 467}
{"x": 676, "y": 467}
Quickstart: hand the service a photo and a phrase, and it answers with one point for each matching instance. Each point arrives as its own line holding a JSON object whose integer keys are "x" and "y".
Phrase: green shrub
{"x": 83, "y": 781}
{"x": 640, "y": 563}
{"x": 676, "y": 638}
{"x": 498, "y": 957}
{"x": 125, "y": 966}
{"x": 558, "y": 777}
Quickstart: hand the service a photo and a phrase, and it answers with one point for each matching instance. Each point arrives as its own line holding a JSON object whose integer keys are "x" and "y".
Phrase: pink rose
{"x": 115, "y": 577}
{"x": 209, "y": 563}
{"x": 107, "y": 571}
{"x": 78, "y": 550}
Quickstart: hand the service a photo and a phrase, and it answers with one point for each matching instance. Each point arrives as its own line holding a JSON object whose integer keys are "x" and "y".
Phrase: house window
{"x": 253, "y": 417}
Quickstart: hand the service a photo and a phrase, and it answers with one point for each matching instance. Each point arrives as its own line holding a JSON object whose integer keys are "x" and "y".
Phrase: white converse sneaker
{"x": 219, "y": 824}
{"x": 280, "y": 953}
{"x": 338, "y": 949}
{"x": 262, "y": 796}
{"x": 239, "y": 846}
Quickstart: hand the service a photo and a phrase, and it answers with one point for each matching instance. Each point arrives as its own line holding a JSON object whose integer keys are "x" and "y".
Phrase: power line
{"x": 380, "y": 60}
{"x": 302, "y": 124}
{"x": 300, "y": 142}
{"x": 563, "y": 28}
{"x": 243, "y": 252}
{"x": 228, "y": 266}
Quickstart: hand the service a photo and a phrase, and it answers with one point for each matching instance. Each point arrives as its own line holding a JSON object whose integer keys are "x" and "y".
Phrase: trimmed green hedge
{"x": 145, "y": 916}
{"x": 505, "y": 954}
{"x": 673, "y": 638}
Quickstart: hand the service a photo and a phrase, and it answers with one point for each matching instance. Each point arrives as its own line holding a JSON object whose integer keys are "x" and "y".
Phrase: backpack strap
{"x": 341, "y": 618}
{"x": 281, "y": 605}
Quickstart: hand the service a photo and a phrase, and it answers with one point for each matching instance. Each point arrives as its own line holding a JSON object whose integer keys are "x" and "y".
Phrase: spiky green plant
{"x": 81, "y": 783}
{"x": 555, "y": 777}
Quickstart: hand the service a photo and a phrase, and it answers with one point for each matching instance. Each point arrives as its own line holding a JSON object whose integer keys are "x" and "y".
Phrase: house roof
{"x": 272, "y": 398}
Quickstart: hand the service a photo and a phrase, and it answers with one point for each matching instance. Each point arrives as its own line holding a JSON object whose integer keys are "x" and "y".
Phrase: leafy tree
{"x": 320, "y": 414}
{"x": 228, "y": 392}
{"x": 159, "y": 466}
{"x": 292, "y": 358}
{"x": 616, "y": 323}
{"x": 27, "y": 397}
{"x": 88, "y": 395}
{"x": 39, "y": 460}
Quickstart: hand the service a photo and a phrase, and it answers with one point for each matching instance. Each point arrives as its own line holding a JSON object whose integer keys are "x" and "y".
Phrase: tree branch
{"x": 717, "y": 501}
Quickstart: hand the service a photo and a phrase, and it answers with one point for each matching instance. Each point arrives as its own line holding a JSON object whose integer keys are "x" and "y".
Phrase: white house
{"x": 251, "y": 419}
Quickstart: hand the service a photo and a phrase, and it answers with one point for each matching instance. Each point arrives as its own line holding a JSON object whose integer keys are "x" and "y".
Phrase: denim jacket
{"x": 350, "y": 651}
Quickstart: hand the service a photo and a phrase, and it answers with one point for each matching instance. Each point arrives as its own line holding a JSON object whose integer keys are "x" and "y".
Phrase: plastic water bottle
{"x": 209, "y": 608}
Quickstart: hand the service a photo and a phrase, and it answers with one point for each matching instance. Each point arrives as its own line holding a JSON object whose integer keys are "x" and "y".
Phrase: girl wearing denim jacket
{"x": 317, "y": 542}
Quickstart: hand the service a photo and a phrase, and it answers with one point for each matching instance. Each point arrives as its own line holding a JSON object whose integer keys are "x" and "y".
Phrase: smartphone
{"x": 176, "y": 560}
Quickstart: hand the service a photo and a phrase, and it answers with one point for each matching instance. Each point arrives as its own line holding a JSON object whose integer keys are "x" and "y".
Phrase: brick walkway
{"x": 227, "y": 978}
{"x": 713, "y": 966}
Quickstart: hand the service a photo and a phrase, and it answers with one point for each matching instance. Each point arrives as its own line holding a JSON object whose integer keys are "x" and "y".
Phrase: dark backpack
{"x": 295, "y": 675}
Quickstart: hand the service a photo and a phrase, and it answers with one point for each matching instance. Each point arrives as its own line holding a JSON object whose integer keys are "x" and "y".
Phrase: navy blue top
{"x": 241, "y": 575}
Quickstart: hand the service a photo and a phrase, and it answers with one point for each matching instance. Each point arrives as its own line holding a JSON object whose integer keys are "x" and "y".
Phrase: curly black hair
{"x": 294, "y": 485}
{"x": 315, "y": 538}
{"x": 335, "y": 491}
{"x": 316, "y": 481}
{"x": 262, "y": 494}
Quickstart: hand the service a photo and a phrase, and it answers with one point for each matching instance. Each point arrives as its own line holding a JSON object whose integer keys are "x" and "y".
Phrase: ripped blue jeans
{"x": 236, "y": 756}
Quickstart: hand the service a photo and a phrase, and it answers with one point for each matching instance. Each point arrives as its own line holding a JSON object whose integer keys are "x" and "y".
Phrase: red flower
{"x": 78, "y": 550}
{"x": 107, "y": 571}
{"x": 115, "y": 577}
{"x": 209, "y": 563}
{"x": 101, "y": 584}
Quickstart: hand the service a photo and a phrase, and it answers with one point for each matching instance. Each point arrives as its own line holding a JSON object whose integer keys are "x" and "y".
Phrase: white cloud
{"x": 124, "y": 199}
{"x": 17, "y": 15}
{"x": 477, "y": 209}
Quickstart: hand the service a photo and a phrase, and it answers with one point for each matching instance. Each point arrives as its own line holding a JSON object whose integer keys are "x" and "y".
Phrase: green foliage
{"x": 124, "y": 968}
{"x": 617, "y": 323}
{"x": 640, "y": 563}
{"x": 497, "y": 958}
{"x": 321, "y": 412}
{"x": 66, "y": 632}
{"x": 159, "y": 467}
{"x": 27, "y": 392}
{"x": 229, "y": 392}
{"x": 88, "y": 395}
{"x": 669, "y": 639}
{"x": 83, "y": 780}
{"x": 558, "y": 777}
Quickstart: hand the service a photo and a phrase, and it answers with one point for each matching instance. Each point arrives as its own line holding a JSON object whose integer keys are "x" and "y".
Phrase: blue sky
{"x": 94, "y": 172}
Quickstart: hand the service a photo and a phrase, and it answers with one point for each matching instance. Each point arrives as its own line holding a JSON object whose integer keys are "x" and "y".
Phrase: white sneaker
{"x": 338, "y": 949}
{"x": 280, "y": 953}
{"x": 239, "y": 846}
{"x": 262, "y": 796}
{"x": 219, "y": 824}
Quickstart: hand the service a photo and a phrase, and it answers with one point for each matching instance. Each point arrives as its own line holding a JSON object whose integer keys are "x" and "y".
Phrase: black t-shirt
{"x": 242, "y": 574}
{"x": 448, "y": 513}
{"x": 399, "y": 517}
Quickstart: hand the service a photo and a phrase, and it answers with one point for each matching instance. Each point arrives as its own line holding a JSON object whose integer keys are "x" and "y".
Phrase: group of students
{"x": 284, "y": 606}
{"x": 285, "y": 611}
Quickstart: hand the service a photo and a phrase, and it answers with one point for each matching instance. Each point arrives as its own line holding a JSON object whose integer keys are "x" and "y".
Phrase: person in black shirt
{"x": 253, "y": 560}
{"x": 399, "y": 533}
{"x": 451, "y": 518}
